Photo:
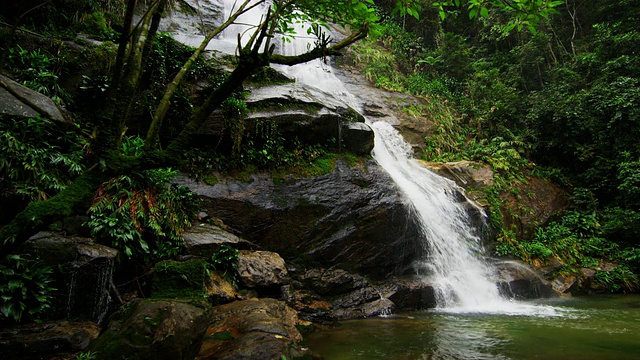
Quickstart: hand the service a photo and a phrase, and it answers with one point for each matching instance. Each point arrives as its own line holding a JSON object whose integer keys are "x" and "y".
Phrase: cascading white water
{"x": 454, "y": 264}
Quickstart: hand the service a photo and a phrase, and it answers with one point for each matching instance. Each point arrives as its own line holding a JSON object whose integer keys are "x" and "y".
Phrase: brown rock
{"x": 261, "y": 269}
{"x": 251, "y": 329}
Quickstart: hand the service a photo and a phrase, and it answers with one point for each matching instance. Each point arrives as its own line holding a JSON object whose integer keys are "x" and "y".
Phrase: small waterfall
{"x": 453, "y": 264}
{"x": 454, "y": 256}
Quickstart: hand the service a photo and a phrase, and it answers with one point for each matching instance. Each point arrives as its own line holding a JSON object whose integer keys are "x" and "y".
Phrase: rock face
{"x": 252, "y": 329}
{"x": 82, "y": 274}
{"x": 306, "y": 113}
{"x": 47, "y": 340}
{"x": 154, "y": 329}
{"x": 353, "y": 218}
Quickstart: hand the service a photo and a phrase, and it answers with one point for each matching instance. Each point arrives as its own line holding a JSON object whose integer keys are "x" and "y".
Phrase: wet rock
{"x": 519, "y": 281}
{"x": 357, "y": 137}
{"x": 82, "y": 273}
{"x": 353, "y": 218}
{"x": 409, "y": 294}
{"x": 205, "y": 239}
{"x": 47, "y": 340}
{"x": 154, "y": 329}
{"x": 261, "y": 269}
{"x": 252, "y": 329}
{"x": 303, "y": 112}
{"x": 335, "y": 294}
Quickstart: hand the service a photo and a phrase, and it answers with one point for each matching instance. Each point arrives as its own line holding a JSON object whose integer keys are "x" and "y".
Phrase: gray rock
{"x": 16, "y": 99}
{"x": 47, "y": 340}
{"x": 252, "y": 329}
{"x": 261, "y": 269}
{"x": 303, "y": 112}
{"x": 409, "y": 294}
{"x": 154, "y": 329}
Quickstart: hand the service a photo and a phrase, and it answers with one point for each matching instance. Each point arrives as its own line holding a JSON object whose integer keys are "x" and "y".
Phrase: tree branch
{"x": 319, "y": 52}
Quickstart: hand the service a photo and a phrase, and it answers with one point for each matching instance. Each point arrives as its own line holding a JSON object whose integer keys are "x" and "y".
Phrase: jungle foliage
{"x": 561, "y": 101}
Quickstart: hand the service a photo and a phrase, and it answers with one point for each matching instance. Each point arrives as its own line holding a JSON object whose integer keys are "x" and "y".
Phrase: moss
{"x": 210, "y": 179}
{"x": 75, "y": 198}
{"x": 173, "y": 279}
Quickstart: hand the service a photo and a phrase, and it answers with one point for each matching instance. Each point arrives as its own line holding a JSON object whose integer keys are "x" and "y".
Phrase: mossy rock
{"x": 154, "y": 329}
{"x": 180, "y": 280}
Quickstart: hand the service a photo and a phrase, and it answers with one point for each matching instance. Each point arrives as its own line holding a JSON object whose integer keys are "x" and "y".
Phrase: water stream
{"x": 454, "y": 264}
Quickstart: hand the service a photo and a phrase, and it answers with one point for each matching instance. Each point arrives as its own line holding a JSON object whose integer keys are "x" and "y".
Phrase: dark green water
{"x": 602, "y": 327}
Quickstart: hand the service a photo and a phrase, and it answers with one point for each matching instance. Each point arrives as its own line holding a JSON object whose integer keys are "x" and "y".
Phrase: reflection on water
{"x": 581, "y": 328}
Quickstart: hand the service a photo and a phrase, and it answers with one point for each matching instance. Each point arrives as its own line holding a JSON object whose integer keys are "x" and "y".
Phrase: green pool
{"x": 595, "y": 327}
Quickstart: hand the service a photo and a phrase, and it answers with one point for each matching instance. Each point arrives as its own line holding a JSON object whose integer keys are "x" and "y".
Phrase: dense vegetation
{"x": 561, "y": 102}
{"x": 564, "y": 96}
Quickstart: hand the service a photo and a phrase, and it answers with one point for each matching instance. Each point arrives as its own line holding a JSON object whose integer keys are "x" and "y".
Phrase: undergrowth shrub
{"x": 142, "y": 214}
{"x": 37, "y": 70}
{"x": 25, "y": 289}
{"x": 37, "y": 158}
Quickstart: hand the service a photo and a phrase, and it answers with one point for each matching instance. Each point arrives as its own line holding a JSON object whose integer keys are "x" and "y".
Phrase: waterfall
{"x": 453, "y": 261}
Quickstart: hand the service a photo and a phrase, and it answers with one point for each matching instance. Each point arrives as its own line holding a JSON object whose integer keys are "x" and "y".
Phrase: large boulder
{"x": 252, "y": 329}
{"x": 47, "y": 340}
{"x": 154, "y": 329}
{"x": 330, "y": 294}
{"x": 82, "y": 273}
{"x": 519, "y": 281}
{"x": 353, "y": 218}
{"x": 303, "y": 112}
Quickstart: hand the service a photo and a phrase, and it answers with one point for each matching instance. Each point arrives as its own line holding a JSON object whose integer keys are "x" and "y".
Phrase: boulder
{"x": 154, "y": 329}
{"x": 261, "y": 269}
{"x": 353, "y": 218}
{"x": 519, "y": 281}
{"x": 252, "y": 329}
{"x": 19, "y": 100}
{"x": 467, "y": 174}
{"x": 47, "y": 339}
{"x": 331, "y": 282}
{"x": 527, "y": 206}
{"x": 205, "y": 239}
{"x": 335, "y": 294}
{"x": 82, "y": 274}
{"x": 299, "y": 112}
{"x": 409, "y": 294}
